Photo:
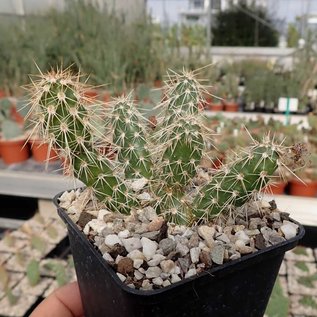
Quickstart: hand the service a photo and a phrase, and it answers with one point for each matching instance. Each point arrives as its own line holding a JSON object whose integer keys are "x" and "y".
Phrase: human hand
{"x": 64, "y": 302}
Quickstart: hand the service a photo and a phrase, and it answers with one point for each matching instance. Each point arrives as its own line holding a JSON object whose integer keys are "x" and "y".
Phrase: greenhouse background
{"x": 257, "y": 62}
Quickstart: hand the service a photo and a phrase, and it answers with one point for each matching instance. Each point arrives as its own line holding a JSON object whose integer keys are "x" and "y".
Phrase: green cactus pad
{"x": 235, "y": 183}
{"x": 130, "y": 138}
{"x": 183, "y": 153}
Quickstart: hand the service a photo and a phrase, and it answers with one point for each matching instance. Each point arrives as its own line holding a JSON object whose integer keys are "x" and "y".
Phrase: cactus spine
{"x": 236, "y": 182}
{"x": 181, "y": 144}
{"x": 169, "y": 159}
{"x": 130, "y": 138}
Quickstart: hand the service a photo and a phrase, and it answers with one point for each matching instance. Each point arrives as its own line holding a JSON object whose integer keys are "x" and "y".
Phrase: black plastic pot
{"x": 240, "y": 288}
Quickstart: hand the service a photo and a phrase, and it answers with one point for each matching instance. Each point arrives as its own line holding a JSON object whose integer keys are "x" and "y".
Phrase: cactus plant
{"x": 168, "y": 159}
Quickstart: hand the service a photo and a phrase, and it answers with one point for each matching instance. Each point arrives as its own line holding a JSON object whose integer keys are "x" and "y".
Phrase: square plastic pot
{"x": 238, "y": 288}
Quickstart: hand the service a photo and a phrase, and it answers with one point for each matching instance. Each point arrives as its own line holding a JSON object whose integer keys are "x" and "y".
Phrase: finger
{"x": 64, "y": 302}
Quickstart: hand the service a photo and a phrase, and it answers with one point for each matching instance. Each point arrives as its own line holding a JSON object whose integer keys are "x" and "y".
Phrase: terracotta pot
{"x": 158, "y": 83}
{"x": 91, "y": 94}
{"x": 231, "y": 106}
{"x": 14, "y": 151}
{"x": 297, "y": 188}
{"x": 215, "y": 107}
{"x": 16, "y": 116}
{"x": 41, "y": 153}
{"x": 106, "y": 96}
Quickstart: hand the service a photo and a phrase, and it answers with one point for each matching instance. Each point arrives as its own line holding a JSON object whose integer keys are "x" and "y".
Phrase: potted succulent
{"x": 152, "y": 233}
{"x": 306, "y": 185}
{"x": 13, "y": 145}
{"x": 231, "y": 93}
{"x": 212, "y": 102}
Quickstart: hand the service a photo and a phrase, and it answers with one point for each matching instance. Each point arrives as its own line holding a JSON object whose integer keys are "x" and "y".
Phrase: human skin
{"x": 64, "y": 302}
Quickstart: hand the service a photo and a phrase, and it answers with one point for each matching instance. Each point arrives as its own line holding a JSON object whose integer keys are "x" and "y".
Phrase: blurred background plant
{"x": 124, "y": 53}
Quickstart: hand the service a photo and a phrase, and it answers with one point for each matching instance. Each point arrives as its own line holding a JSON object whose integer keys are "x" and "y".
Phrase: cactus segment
{"x": 181, "y": 129}
{"x": 184, "y": 93}
{"x": 130, "y": 138}
{"x": 235, "y": 183}
{"x": 183, "y": 153}
{"x": 97, "y": 172}
{"x": 180, "y": 140}
{"x": 65, "y": 119}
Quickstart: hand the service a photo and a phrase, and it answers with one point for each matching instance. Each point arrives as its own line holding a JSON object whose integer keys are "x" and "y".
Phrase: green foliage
{"x": 265, "y": 86}
{"x": 38, "y": 243}
{"x": 302, "y": 78}
{"x": 9, "y": 128}
{"x": 12, "y": 298}
{"x": 70, "y": 262}
{"x": 4, "y": 277}
{"x": 278, "y": 305}
{"x": 61, "y": 276}
{"x": 293, "y": 35}
{"x": 81, "y": 36}
{"x": 308, "y": 281}
{"x": 59, "y": 271}
{"x": 21, "y": 43}
{"x": 167, "y": 158}
{"x": 236, "y": 28}
{"x": 302, "y": 266}
{"x": 4, "y": 285}
{"x": 33, "y": 272}
{"x": 299, "y": 250}
{"x": 308, "y": 301}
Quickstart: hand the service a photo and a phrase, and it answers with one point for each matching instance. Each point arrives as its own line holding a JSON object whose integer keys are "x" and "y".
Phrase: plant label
{"x": 288, "y": 104}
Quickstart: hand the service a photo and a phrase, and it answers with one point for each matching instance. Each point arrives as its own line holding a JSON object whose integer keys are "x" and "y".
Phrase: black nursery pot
{"x": 239, "y": 288}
